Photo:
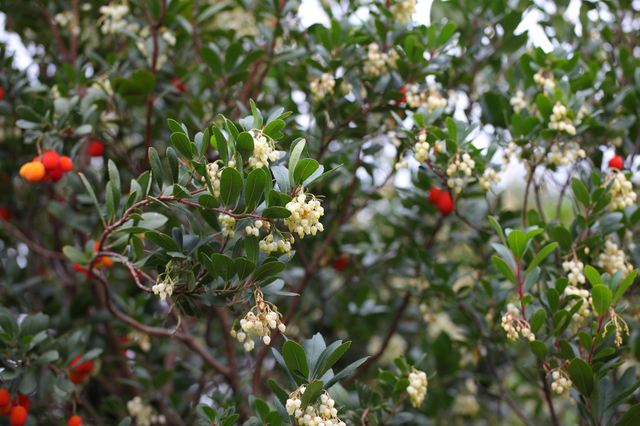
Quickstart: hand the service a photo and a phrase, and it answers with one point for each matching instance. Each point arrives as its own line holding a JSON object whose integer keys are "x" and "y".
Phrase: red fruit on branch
{"x": 56, "y": 174}
{"x": 23, "y": 401}
{"x": 66, "y": 164}
{"x": 1, "y": 93}
{"x": 434, "y": 195}
{"x": 445, "y": 204}
{"x": 5, "y": 214}
{"x": 616, "y": 162}
{"x": 84, "y": 368}
{"x": 340, "y": 263}
{"x": 18, "y": 416}
{"x": 74, "y": 421}
{"x": 5, "y": 397}
{"x": 50, "y": 160}
{"x": 181, "y": 87}
{"x": 96, "y": 149}
{"x": 404, "y": 98}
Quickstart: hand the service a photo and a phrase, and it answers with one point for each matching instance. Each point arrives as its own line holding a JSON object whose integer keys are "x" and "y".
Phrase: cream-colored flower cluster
{"x": 214, "y": 175}
{"x": 305, "y": 216}
{"x": 403, "y": 10}
{"x": 396, "y": 347}
{"x": 489, "y": 177}
{"x": 269, "y": 245}
{"x": 264, "y": 150}
{"x": 412, "y": 96}
{"x": 422, "y": 148}
{"x": 518, "y": 102}
{"x": 417, "y": 388}
{"x": 401, "y": 164}
{"x": 163, "y": 288}
{"x": 612, "y": 259}
{"x": 560, "y": 121}
{"x": 622, "y": 194}
{"x": 144, "y": 414}
{"x": 254, "y": 229}
{"x": 142, "y": 339}
{"x": 508, "y": 153}
{"x": 566, "y": 156}
{"x": 260, "y": 323}
{"x": 561, "y": 383}
{"x": 228, "y": 225}
{"x": 377, "y": 60}
{"x": 323, "y": 85}
{"x": 433, "y": 100}
{"x": 466, "y": 403}
{"x": 113, "y": 18}
{"x": 323, "y": 413}
{"x": 583, "y": 312}
{"x": 513, "y": 325}
{"x": 461, "y": 166}
{"x": 548, "y": 81}
{"x": 238, "y": 20}
{"x": 575, "y": 269}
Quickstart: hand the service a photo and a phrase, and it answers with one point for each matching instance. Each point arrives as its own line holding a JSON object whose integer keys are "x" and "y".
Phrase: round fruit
{"x": 56, "y": 174}
{"x": 35, "y": 172}
{"x": 616, "y": 163}
{"x": 23, "y": 401}
{"x": 84, "y": 368}
{"x": 66, "y": 164}
{"x": 434, "y": 195}
{"x": 340, "y": 263}
{"x": 76, "y": 377}
{"x": 50, "y": 160}
{"x": 404, "y": 98}
{"x": 1, "y": 93}
{"x": 180, "y": 87}
{"x": 18, "y": 416}
{"x": 96, "y": 149}
{"x": 5, "y": 397}
{"x": 445, "y": 204}
{"x": 23, "y": 169}
{"x": 74, "y": 421}
{"x": 5, "y": 214}
{"x": 6, "y": 409}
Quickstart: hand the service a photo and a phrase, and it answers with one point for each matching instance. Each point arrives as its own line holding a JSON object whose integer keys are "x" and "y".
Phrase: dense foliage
{"x": 211, "y": 213}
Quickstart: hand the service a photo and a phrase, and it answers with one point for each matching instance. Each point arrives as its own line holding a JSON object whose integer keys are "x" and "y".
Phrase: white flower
{"x": 403, "y": 10}
{"x": 305, "y": 216}
{"x": 417, "y": 388}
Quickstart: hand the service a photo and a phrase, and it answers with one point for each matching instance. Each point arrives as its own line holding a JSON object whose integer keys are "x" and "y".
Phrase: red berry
{"x": 84, "y": 368}
{"x": 18, "y": 416}
{"x": 434, "y": 195}
{"x": 50, "y": 160}
{"x": 76, "y": 378}
{"x": 23, "y": 401}
{"x": 1, "y": 93}
{"x": 96, "y": 149}
{"x": 66, "y": 164}
{"x": 6, "y": 409}
{"x": 74, "y": 421}
{"x": 5, "y": 397}
{"x": 340, "y": 263}
{"x": 616, "y": 163}
{"x": 5, "y": 214}
{"x": 445, "y": 204}
{"x": 180, "y": 87}
{"x": 56, "y": 174}
{"x": 404, "y": 98}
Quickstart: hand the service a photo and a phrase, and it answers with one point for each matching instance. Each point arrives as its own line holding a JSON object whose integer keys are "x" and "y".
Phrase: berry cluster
{"x": 316, "y": 414}
{"x": 612, "y": 259}
{"x": 561, "y": 383}
{"x": 305, "y": 216}
{"x": 228, "y": 225}
{"x": 514, "y": 325}
{"x": 16, "y": 410}
{"x": 260, "y": 323}
{"x": 263, "y": 150}
{"x": 403, "y": 10}
{"x": 575, "y": 269}
{"x": 622, "y": 194}
{"x": 144, "y": 414}
{"x": 417, "y": 388}
{"x": 79, "y": 372}
{"x": 214, "y": 175}
{"x": 560, "y": 121}
{"x": 323, "y": 85}
{"x": 50, "y": 165}
{"x": 442, "y": 200}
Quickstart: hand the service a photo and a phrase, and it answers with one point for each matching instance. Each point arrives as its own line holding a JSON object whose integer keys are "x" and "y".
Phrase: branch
{"x": 31, "y": 244}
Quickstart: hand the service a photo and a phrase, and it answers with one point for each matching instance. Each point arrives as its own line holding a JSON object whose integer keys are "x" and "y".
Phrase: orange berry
{"x": 50, "y": 160}
{"x": 6, "y": 409}
{"x": 23, "y": 169}
{"x": 5, "y": 397}
{"x": 23, "y": 401}
{"x": 35, "y": 172}
{"x": 106, "y": 262}
{"x": 96, "y": 149}
{"x": 74, "y": 421}
{"x": 66, "y": 164}
{"x": 18, "y": 416}
{"x": 5, "y": 214}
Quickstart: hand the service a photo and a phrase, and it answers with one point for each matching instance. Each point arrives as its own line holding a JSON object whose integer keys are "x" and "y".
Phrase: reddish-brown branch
{"x": 31, "y": 244}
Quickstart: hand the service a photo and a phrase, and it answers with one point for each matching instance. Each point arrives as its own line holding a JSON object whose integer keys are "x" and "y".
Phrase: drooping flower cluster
{"x": 433, "y": 100}
{"x": 164, "y": 288}
{"x": 113, "y": 19}
{"x": 518, "y": 102}
{"x": 560, "y": 121}
{"x": 514, "y": 325}
{"x": 417, "y": 388}
{"x": 263, "y": 150}
{"x": 622, "y": 194}
{"x": 396, "y": 347}
{"x": 548, "y": 81}
{"x": 466, "y": 403}
{"x": 566, "y": 156}
{"x": 238, "y": 20}
{"x": 612, "y": 259}
{"x": 254, "y": 229}
{"x": 259, "y": 323}
{"x": 305, "y": 216}
{"x": 561, "y": 383}
{"x": 508, "y": 153}
{"x": 422, "y": 148}
{"x": 316, "y": 414}
{"x": 489, "y": 177}
{"x": 144, "y": 414}
{"x": 268, "y": 245}
{"x": 463, "y": 167}
{"x": 618, "y": 323}
{"x": 377, "y": 60}
{"x": 403, "y": 10}
{"x": 323, "y": 85}
{"x": 401, "y": 164}
{"x": 214, "y": 175}
{"x": 583, "y": 312}
{"x": 228, "y": 225}
{"x": 575, "y": 269}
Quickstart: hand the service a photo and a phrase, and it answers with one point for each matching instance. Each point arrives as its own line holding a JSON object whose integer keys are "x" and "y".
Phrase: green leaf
{"x": 276, "y": 212}
{"x": 156, "y": 167}
{"x": 161, "y": 378}
{"x": 498, "y": 229}
{"x": 221, "y": 145}
{"x": 601, "y": 299}
{"x": 161, "y": 240}
{"x": 182, "y": 144}
{"x": 244, "y": 267}
{"x": 631, "y": 417}
{"x": 542, "y": 254}
{"x": 297, "y": 147}
{"x": 114, "y": 177}
{"x": 581, "y": 376}
{"x": 333, "y": 357}
{"x": 267, "y": 270}
{"x": 348, "y": 370}
{"x": 75, "y": 255}
{"x": 537, "y": 320}
{"x": 530, "y": 279}
{"x": 545, "y": 106}
{"x": 304, "y": 169}
{"x": 207, "y": 201}
{"x": 257, "y": 117}
{"x": 311, "y": 393}
{"x": 592, "y": 275}
{"x": 517, "y": 243}
{"x": 230, "y": 186}
{"x": 255, "y": 185}
{"x": 28, "y": 382}
{"x": 452, "y": 129}
{"x": 93, "y": 197}
{"x": 278, "y": 391}
{"x": 212, "y": 60}
{"x": 624, "y": 285}
{"x": 580, "y": 191}
{"x": 295, "y": 357}
{"x": 586, "y": 340}
{"x": 252, "y": 248}
{"x": 172, "y": 157}
{"x": 125, "y": 422}
{"x": 224, "y": 266}
{"x": 445, "y": 33}
{"x": 244, "y": 145}
{"x": 505, "y": 269}
{"x": 175, "y": 126}
{"x": 539, "y": 349}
